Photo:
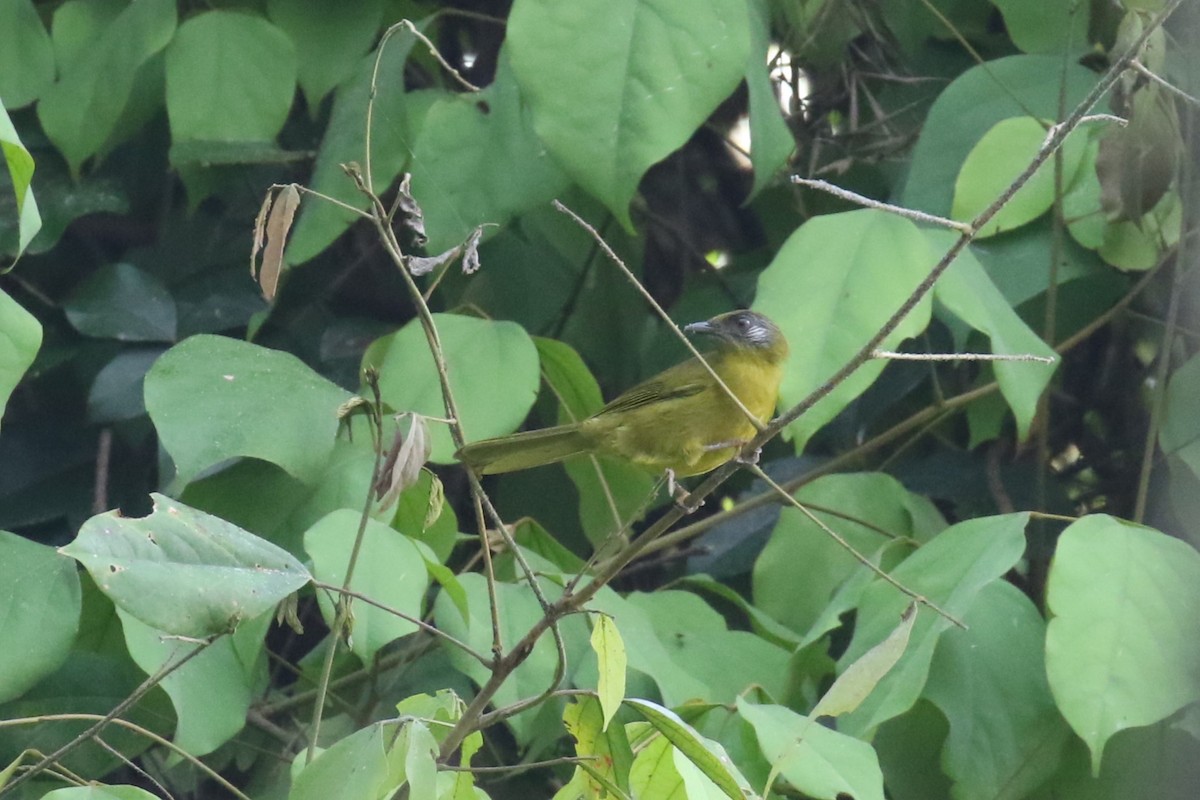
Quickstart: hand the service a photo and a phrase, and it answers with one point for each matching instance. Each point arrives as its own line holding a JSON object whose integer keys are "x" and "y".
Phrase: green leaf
{"x": 20, "y": 338}
{"x": 369, "y": 763}
{"x": 212, "y": 398}
{"x": 331, "y": 42}
{"x": 390, "y": 570}
{"x": 476, "y": 160}
{"x": 1120, "y": 649}
{"x": 1039, "y": 27}
{"x": 950, "y": 570}
{"x": 997, "y": 159}
{"x": 26, "y": 56}
{"x": 817, "y": 761}
{"x": 587, "y": 722}
{"x": 1006, "y": 735}
{"x": 20, "y": 171}
{"x": 230, "y": 78}
{"x": 708, "y": 756}
{"x": 611, "y": 490}
{"x": 39, "y": 591}
{"x": 972, "y": 104}
{"x": 771, "y": 140}
{"x": 212, "y": 692}
{"x": 654, "y": 70}
{"x": 396, "y": 114}
{"x": 801, "y": 568}
{"x": 183, "y": 571}
{"x": 863, "y": 675}
{"x": 1139, "y": 245}
{"x": 831, "y": 286}
{"x": 120, "y": 301}
{"x": 493, "y": 371}
{"x": 1180, "y": 433}
{"x": 967, "y": 292}
{"x": 610, "y": 660}
{"x": 81, "y": 111}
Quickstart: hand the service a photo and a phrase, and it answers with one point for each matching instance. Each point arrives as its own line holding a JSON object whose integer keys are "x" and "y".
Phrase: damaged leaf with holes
{"x": 183, "y": 571}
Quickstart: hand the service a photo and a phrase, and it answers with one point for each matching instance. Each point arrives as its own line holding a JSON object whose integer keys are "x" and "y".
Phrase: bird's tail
{"x": 525, "y": 450}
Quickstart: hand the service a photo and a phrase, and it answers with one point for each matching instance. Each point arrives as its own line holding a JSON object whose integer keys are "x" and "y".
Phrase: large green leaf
{"x": 230, "y": 78}
{"x": 99, "y": 792}
{"x": 81, "y": 111}
{"x": 493, "y": 371}
{"x": 39, "y": 591}
{"x": 476, "y": 160}
{"x": 390, "y": 570}
{"x": 971, "y": 105}
{"x": 771, "y": 140}
{"x": 831, "y": 286}
{"x": 652, "y": 72}
{"x": 995, "y": 162}
{"x": 183, "y": 571}
{"x": 330, "y": 39}
{"x": 212, "y": 398}
{"x": 211, "y": 692}
{"x": 1121, "y": 649}
{"x": 1006, "y": 735}
{"x": 950, "y": 570}
{"x": 801, "y": 567}
{"x": 26, "y": 56}
{"x": 967, "y": 291}
{"x": 20, "y": 338}
{"x": 819, "y": 762}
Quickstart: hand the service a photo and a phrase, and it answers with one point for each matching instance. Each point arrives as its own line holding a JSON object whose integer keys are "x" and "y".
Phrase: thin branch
{"x": 103, "y": 721}
{"x": 433, "y": 51}
{"x": 894, "y": 356}
{"x": 123, "y": 723}
{"x": 1143, "y": 70}
{"x": 342, "y": 614}
{"x": 862, "y": 200}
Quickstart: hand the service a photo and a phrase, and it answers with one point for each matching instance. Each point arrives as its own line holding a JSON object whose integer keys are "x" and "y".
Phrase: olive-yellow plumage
{"x": 679, "y": 420}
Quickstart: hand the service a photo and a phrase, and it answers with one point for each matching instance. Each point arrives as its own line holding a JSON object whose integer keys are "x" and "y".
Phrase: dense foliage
{"x": 986, "y": 585}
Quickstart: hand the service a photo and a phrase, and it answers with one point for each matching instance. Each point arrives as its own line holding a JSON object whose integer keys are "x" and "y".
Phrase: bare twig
{"x": 862, "y": 200}
{"x": 894, "y": 356}
{"x": 112, "y": 717}
{"x": 1145, "y": 71}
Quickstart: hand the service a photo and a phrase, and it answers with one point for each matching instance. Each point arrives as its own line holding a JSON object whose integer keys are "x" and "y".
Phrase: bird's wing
{"x": 653, "y": 391}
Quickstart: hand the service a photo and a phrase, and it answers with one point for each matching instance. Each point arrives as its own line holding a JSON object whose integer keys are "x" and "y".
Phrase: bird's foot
{"x": 749, "y": 460}
{"x": 681, "y": 496}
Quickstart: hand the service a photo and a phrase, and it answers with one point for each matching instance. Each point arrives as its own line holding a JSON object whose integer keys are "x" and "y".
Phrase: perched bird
{"x": 681, "y": 420}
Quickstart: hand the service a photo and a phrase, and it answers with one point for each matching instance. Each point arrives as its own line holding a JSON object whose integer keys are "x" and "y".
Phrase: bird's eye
{"x": 743, "y": 323}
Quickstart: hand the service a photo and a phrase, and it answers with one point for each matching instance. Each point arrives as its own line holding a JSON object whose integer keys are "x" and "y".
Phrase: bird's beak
{"x": 705, "y": 327}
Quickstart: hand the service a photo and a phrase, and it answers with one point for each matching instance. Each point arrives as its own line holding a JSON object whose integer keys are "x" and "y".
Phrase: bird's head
{"x": 744, "y": 330}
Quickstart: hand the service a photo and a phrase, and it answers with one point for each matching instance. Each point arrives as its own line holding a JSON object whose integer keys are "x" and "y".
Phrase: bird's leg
{"x": 681, "y": 496}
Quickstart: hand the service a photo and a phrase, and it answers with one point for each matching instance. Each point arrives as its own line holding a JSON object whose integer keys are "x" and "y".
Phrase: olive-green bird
{"x": 680, "y": 420}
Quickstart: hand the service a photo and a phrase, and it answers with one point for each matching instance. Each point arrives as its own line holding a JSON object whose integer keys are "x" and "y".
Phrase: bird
{"x": 680, "y": 421}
